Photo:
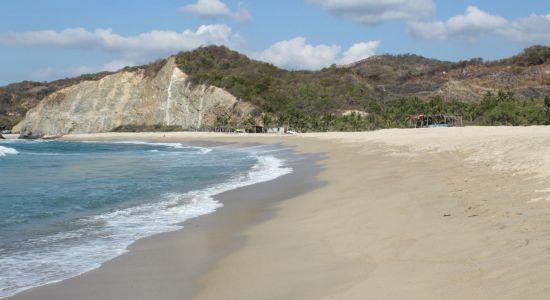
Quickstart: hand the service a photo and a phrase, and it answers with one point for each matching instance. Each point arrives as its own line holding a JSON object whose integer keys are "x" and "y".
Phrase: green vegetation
{"x": 384, "y": 89}
{"x": 310, "y": 101}
{"x": 273, "y": 89}
{"x": 532, "y": 56}
{"x": 495, "y": 109}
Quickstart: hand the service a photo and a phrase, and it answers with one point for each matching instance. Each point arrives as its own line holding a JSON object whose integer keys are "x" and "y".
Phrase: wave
{"x": 200, "y": 150}
{"x": 51, "y": 153}
{"x": 174, "y": 145}
{"x": 26, "y": 141}
{"x": 7, "y": 151}
{"x": 171, "y": 145}
{"x": 103, "y": 237}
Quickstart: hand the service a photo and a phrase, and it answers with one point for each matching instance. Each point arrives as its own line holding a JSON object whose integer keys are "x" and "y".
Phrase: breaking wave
{"x": 7, "y": 151}
{"x": 102, "y": 237}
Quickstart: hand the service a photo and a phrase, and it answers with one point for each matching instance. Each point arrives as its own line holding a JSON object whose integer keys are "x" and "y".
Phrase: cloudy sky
{"x": 49, "y": 39}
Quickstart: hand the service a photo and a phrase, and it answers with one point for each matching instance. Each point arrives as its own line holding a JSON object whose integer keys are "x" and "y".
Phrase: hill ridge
{"x": 333, "y": 89}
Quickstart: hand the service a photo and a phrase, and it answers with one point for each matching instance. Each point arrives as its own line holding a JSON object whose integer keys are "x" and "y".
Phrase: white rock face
{"x": 131, "y": 98}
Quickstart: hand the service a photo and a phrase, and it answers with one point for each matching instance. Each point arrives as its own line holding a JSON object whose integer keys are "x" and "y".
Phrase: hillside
{"x": 159, "y": 97}
{"x": 16, "y": 99}
{"x": 378, "y": 85}
{"x": 376, "y": 78}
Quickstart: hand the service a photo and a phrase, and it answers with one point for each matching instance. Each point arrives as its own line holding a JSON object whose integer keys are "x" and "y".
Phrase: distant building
{"x": 278, "y": 130}
{"x": 438, "y": 120}
{"x": 255, "y": 129}
{"x": 226, "y": 129}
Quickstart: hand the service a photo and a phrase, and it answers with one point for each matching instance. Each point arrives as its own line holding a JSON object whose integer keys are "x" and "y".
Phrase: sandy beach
{"x": 448, "y": 213}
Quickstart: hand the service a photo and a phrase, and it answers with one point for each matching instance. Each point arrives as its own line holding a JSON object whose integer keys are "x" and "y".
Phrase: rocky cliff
{"x": 127, "y": 98}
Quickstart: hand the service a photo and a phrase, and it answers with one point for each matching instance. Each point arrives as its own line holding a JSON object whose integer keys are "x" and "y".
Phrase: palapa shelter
{"x": 436, "y": 120}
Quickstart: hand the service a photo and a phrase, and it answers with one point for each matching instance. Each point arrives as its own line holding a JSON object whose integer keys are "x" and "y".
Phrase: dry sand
{"x": 456, "y": 213}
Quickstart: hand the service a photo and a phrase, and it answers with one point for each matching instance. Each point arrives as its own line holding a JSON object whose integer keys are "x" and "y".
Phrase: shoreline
{"x": 444, "y": 213}
{"x": 242, "y": 207}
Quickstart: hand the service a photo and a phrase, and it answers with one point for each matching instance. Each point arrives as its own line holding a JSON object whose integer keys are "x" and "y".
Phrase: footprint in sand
{"x": 520, "y": 243}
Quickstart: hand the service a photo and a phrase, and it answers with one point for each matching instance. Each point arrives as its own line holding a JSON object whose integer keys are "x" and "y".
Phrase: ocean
{"x": 67, "y": 207}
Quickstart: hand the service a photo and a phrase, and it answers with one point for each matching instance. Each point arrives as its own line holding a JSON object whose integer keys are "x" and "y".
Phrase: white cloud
{"x": 377, "y": 11}
{"x": 65, "y": 38}
{"x": 296, "y": 54}
{"x": 476, "y": 22}
{"x": 154, "y": 42}
{"x": 217, "y": 9}
{"x": 359, "y": 52}
{"x": 50, "y": 73}
{"x": 293, "y": 54}
{"x": 126, "y": 50}
{"x": 470, "y": 25}
{"x": 141, "y": 47}
{"x": 532, "y": 29}
{"x": 129, "y": 50}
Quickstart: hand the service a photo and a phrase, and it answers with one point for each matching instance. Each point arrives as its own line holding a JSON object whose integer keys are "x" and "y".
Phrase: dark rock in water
{"x": 2, "y": 137}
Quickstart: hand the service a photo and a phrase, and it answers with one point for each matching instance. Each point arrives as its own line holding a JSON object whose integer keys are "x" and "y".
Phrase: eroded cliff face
{"x": 133, "y": 98}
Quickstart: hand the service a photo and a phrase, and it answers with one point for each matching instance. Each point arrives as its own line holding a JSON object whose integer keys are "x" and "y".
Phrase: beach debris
{"x": 447, "y": 215}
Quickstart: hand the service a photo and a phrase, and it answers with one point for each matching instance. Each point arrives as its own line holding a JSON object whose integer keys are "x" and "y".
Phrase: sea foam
{"x": 105, "y": 236}
{"x": 7, "y": 150}
{"x": 173, "y": 145}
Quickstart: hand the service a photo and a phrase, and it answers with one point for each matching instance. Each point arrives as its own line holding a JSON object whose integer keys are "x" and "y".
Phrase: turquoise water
{"x": 67, "y": 207}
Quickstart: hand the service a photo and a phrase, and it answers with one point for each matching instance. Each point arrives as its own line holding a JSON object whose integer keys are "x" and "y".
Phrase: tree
{"x": 222, "y": 120}
{"x": 547, "y": 108}
{"x": 267, "y": 120}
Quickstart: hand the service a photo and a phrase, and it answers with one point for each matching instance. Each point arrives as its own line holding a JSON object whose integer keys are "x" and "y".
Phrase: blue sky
{"x": 45, "y": 40}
